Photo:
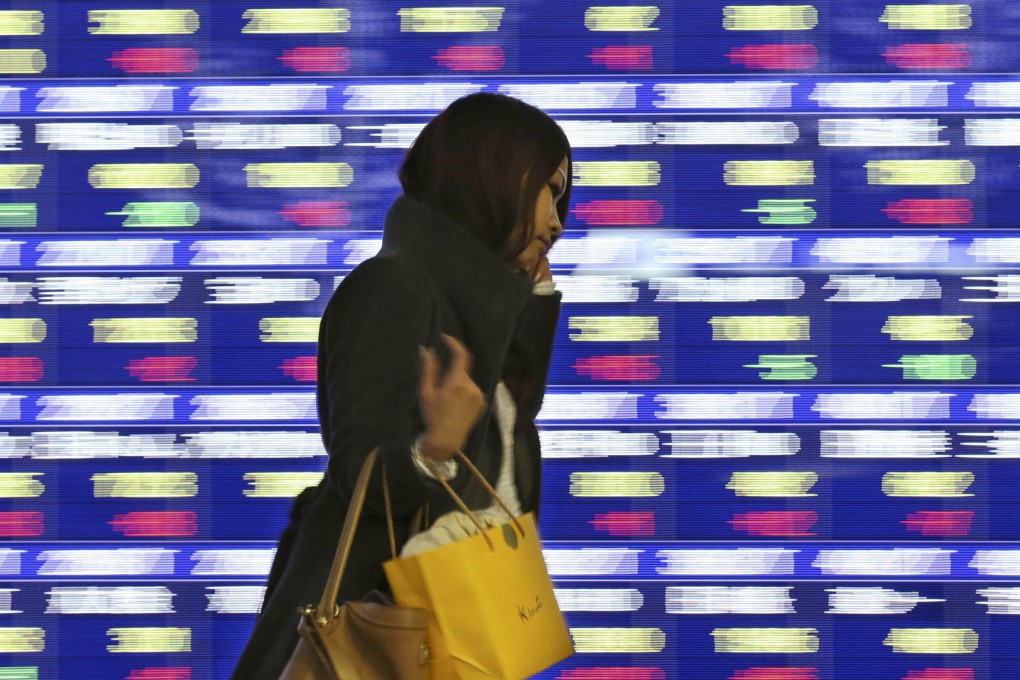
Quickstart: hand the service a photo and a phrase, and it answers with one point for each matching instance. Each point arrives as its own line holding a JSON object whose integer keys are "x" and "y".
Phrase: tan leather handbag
{"x": 359, "y": 640}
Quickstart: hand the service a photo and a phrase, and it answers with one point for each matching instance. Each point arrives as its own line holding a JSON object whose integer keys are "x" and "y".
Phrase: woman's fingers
{"x": 459, "y": 370}
{"x": 450, "y": 404}
{"x": 460, "y": 357}
{"x": 429, "y": 373}
{"x": 543, "y": 272}
{"x": 458, "y": 379}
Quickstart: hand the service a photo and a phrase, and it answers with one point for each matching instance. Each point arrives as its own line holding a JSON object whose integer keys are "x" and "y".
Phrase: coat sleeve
{"x": 527, "y": 363}
{"x": 369, "y": 372}
{"x": 525, "y": 373}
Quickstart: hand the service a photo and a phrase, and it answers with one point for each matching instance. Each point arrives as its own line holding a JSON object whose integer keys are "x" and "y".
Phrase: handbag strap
{"x": 389, "y": 514}
{"x": 328, "y": 609}
{"x": 463, "y": 506}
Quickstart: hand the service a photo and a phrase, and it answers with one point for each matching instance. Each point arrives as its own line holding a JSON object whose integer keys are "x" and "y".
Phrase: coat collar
{"x": 486, "y": 299}
{"x": 487, "y": 296}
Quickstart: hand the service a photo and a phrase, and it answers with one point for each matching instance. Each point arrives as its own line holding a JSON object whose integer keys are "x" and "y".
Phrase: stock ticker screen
{"x": 782, "y": 429}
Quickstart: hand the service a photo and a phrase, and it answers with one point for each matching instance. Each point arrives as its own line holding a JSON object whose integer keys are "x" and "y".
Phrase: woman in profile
{"x": 439, "y": 343}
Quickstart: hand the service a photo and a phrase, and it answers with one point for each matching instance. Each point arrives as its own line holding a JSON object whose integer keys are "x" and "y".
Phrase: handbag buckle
{"x": 326, "y": 624}
{"x": 310, "y": 611}
{"x": 423, "y": 659}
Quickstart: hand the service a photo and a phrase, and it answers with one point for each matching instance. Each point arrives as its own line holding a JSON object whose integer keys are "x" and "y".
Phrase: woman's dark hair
{"x": 482, "y": 163}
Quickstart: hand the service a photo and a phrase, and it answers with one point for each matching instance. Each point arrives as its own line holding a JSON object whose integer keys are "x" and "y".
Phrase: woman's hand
{"x": 543, "y": 272}
{"x": 451, "y": 404}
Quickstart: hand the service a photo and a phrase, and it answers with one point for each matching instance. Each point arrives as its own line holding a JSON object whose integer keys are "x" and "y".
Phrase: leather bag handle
{"x": 328, "y": 609}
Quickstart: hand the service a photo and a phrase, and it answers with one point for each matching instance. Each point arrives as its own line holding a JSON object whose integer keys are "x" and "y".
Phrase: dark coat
{"x": 430, "y": 277}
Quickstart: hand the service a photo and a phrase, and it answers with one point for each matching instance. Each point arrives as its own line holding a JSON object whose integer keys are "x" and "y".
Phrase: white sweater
{"x": 455, "y": 525}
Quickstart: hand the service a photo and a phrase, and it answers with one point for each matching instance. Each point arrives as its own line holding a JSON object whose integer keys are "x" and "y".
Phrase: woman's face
{"x": 547, "y": 227}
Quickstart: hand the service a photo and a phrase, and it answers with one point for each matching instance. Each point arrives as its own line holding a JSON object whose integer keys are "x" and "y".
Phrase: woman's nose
{"x": 555, "y": 228}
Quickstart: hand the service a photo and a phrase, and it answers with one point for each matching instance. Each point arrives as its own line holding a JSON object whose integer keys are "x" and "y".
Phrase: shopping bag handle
{"x": 464, "y": 508}
{"x": 328, "y": 610}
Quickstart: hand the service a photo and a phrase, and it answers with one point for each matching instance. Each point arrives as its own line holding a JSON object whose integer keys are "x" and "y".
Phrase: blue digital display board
{"x": 783, "y": 423}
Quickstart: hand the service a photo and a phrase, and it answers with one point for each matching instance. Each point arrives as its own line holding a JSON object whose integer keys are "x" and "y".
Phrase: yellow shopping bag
{"x": 489, "y": 601}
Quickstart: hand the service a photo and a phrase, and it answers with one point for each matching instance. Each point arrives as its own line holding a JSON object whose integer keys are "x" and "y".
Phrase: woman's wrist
{"x": 436, "y": 450}
{"x": 432, "y": 467}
